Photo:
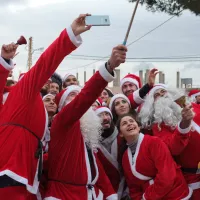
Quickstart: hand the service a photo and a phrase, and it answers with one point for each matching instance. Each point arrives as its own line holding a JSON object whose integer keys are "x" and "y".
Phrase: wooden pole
{"x": 131, "y": 21}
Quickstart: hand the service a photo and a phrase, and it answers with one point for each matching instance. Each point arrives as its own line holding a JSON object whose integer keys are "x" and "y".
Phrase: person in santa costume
{"x": 106, "y": 95}
{"x": 109, "y": 149}
{"x": 56, "y": 84}
{"x": 120, "y": 105}
{"x": 195, "y": 96}
{"x": 69, "y": 79}
{"x": 149, "y": 168}
{"x": 74, "y": 170}
{"x": 24, "y": 119}
{"x": 131, "y": 87}
{"x": 177, "y": 127}
{"x": 6, "y": 66}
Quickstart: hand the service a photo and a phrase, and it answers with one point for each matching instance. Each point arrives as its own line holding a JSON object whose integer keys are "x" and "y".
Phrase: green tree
{"x": 172, "y": 7}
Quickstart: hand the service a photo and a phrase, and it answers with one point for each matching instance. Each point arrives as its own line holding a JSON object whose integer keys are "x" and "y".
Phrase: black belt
{"x": 6, "y": 181}
{"x": 89, "y": 186}
{"x": 38, "y": 153}
{"x": 191, "y": 170}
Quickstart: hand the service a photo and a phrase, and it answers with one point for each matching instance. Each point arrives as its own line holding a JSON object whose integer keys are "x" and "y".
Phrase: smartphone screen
{"x": 98, "y": 20}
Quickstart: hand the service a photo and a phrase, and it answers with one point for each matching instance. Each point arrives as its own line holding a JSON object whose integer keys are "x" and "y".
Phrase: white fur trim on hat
{"x": 195, "y": 95}
{"x": 103, "y": 109}
{"x": 44, "y": 97}
{"x": 134, "y": 81}
{"x": 67, "y": 75}
{"x": 156, "y": 87}
{"x": 69, "y": 89}
{"x": 116, "y": 97}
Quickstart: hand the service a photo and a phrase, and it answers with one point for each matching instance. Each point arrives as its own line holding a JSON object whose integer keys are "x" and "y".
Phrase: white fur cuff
{"x": 184, "y": 131}
{"x": 76, "y": 40}
{"x": 4, "y": 64}
{"x": 105, "y": 74}
{"x": 137, "y": 98}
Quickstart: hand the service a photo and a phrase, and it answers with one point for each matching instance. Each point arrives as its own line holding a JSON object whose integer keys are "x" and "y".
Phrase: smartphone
{"x": 98, "y": 20}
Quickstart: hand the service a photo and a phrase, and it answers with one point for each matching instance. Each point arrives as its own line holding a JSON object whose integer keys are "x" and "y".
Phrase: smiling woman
{"x": 149, "y": 168}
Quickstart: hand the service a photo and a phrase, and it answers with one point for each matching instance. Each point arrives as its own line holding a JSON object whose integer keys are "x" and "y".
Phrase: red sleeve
{"x": 32, "y": 82}
{"x": 176, "y": 141}
{"x": 82, "y": 102}
{"x": 166, "y": 171}
{"x": 4, "y": 71}
{"x": 135, "y": 99}
{"x": 103, "y": 183}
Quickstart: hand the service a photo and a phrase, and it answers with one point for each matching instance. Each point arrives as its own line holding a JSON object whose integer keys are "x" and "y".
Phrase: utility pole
{"x": 30, "y": 50}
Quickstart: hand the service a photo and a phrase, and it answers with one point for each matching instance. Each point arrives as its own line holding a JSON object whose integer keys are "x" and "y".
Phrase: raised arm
{"x": 177, "y": 140}
{"x": 7, "y": 51}
{"x": 91, "y": 91}
{"x": 137, "y": 98}
{"x": 68, "y": 41}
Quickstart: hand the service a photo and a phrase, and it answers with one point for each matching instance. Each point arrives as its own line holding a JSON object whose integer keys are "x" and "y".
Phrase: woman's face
{"x": 121, "y": 106}
{"x": 129, "y": 128}
{"x": 104, "y": 96}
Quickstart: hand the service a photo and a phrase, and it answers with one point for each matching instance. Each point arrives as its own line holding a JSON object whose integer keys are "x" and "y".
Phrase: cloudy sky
{"x": 45, "y": 19}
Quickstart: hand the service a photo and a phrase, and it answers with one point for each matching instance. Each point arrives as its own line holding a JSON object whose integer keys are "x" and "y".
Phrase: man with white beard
{"x": 173, "y": 125}
{"x": 74, "y": 170}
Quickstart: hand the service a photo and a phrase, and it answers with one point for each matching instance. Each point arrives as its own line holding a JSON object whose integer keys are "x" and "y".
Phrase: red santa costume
{"x": 109, "y": 158}
{"x": 4, "y": 71}
{"x": 151, "y": 173}
{"x": 163, "y": 116}
{"x": 24, "y": 120}
{"x": 134, "y": 98}
{"x": 74, "y": 170}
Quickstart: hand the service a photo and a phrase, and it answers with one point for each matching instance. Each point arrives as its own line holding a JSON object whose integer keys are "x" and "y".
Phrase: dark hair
{"x": 115, "y": 116}
{"x": 56, "y": 78}
{"x": 110, "y": 94}
{"x": 132, "y": 115}
{"x": 123, "y": 145}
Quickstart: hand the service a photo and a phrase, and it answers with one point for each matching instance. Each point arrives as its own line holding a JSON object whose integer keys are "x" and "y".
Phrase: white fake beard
{"x": 167, "y": 111}
{"x": 91, "y": 129}
{"x": 163, "y": 109}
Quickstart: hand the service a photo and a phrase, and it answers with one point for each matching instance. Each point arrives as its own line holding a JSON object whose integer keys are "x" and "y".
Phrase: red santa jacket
{"x": 4, "y": 71}
{"x": 111, "y": 165}
{"x": 24, "y": 113}
{"x": 184, "y": 146}
{"x": 152, "y": 174}
{"x": 69, "y": 168}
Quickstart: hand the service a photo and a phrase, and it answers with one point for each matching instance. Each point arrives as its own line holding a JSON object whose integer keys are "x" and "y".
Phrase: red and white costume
{"x": 110, "y": 163}
{"x": 152, "y": 174}
{"x": 70, "y": 173}
{"x": 184, "y": 145}
{"x": 24, "y": 113}
{"x": 4, "y": 71}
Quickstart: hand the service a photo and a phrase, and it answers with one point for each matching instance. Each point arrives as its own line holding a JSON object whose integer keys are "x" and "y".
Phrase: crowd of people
{"x": 61, "y": 141}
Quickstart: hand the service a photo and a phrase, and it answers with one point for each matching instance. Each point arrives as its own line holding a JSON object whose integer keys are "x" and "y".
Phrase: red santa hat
{"x": 99, "y": 102}
{"x": 156, "y": 87}
{"x": 61, "y": 97}
{"x": 194, "y": 93}
{"x": 44, "y": 97}
{"x": 116, "y": 97}
{"x": 67, "y": 75}
{"x": 133, "y": 79}
{"x": 102, "y": 109}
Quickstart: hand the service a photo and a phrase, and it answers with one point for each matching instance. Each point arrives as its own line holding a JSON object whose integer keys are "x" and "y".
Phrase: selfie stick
{"x": 130, "y": 24}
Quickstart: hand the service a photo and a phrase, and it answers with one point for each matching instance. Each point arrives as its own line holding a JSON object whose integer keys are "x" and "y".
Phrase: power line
{"x": 131, "y": 42}
{"x": 87, "y": 57}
